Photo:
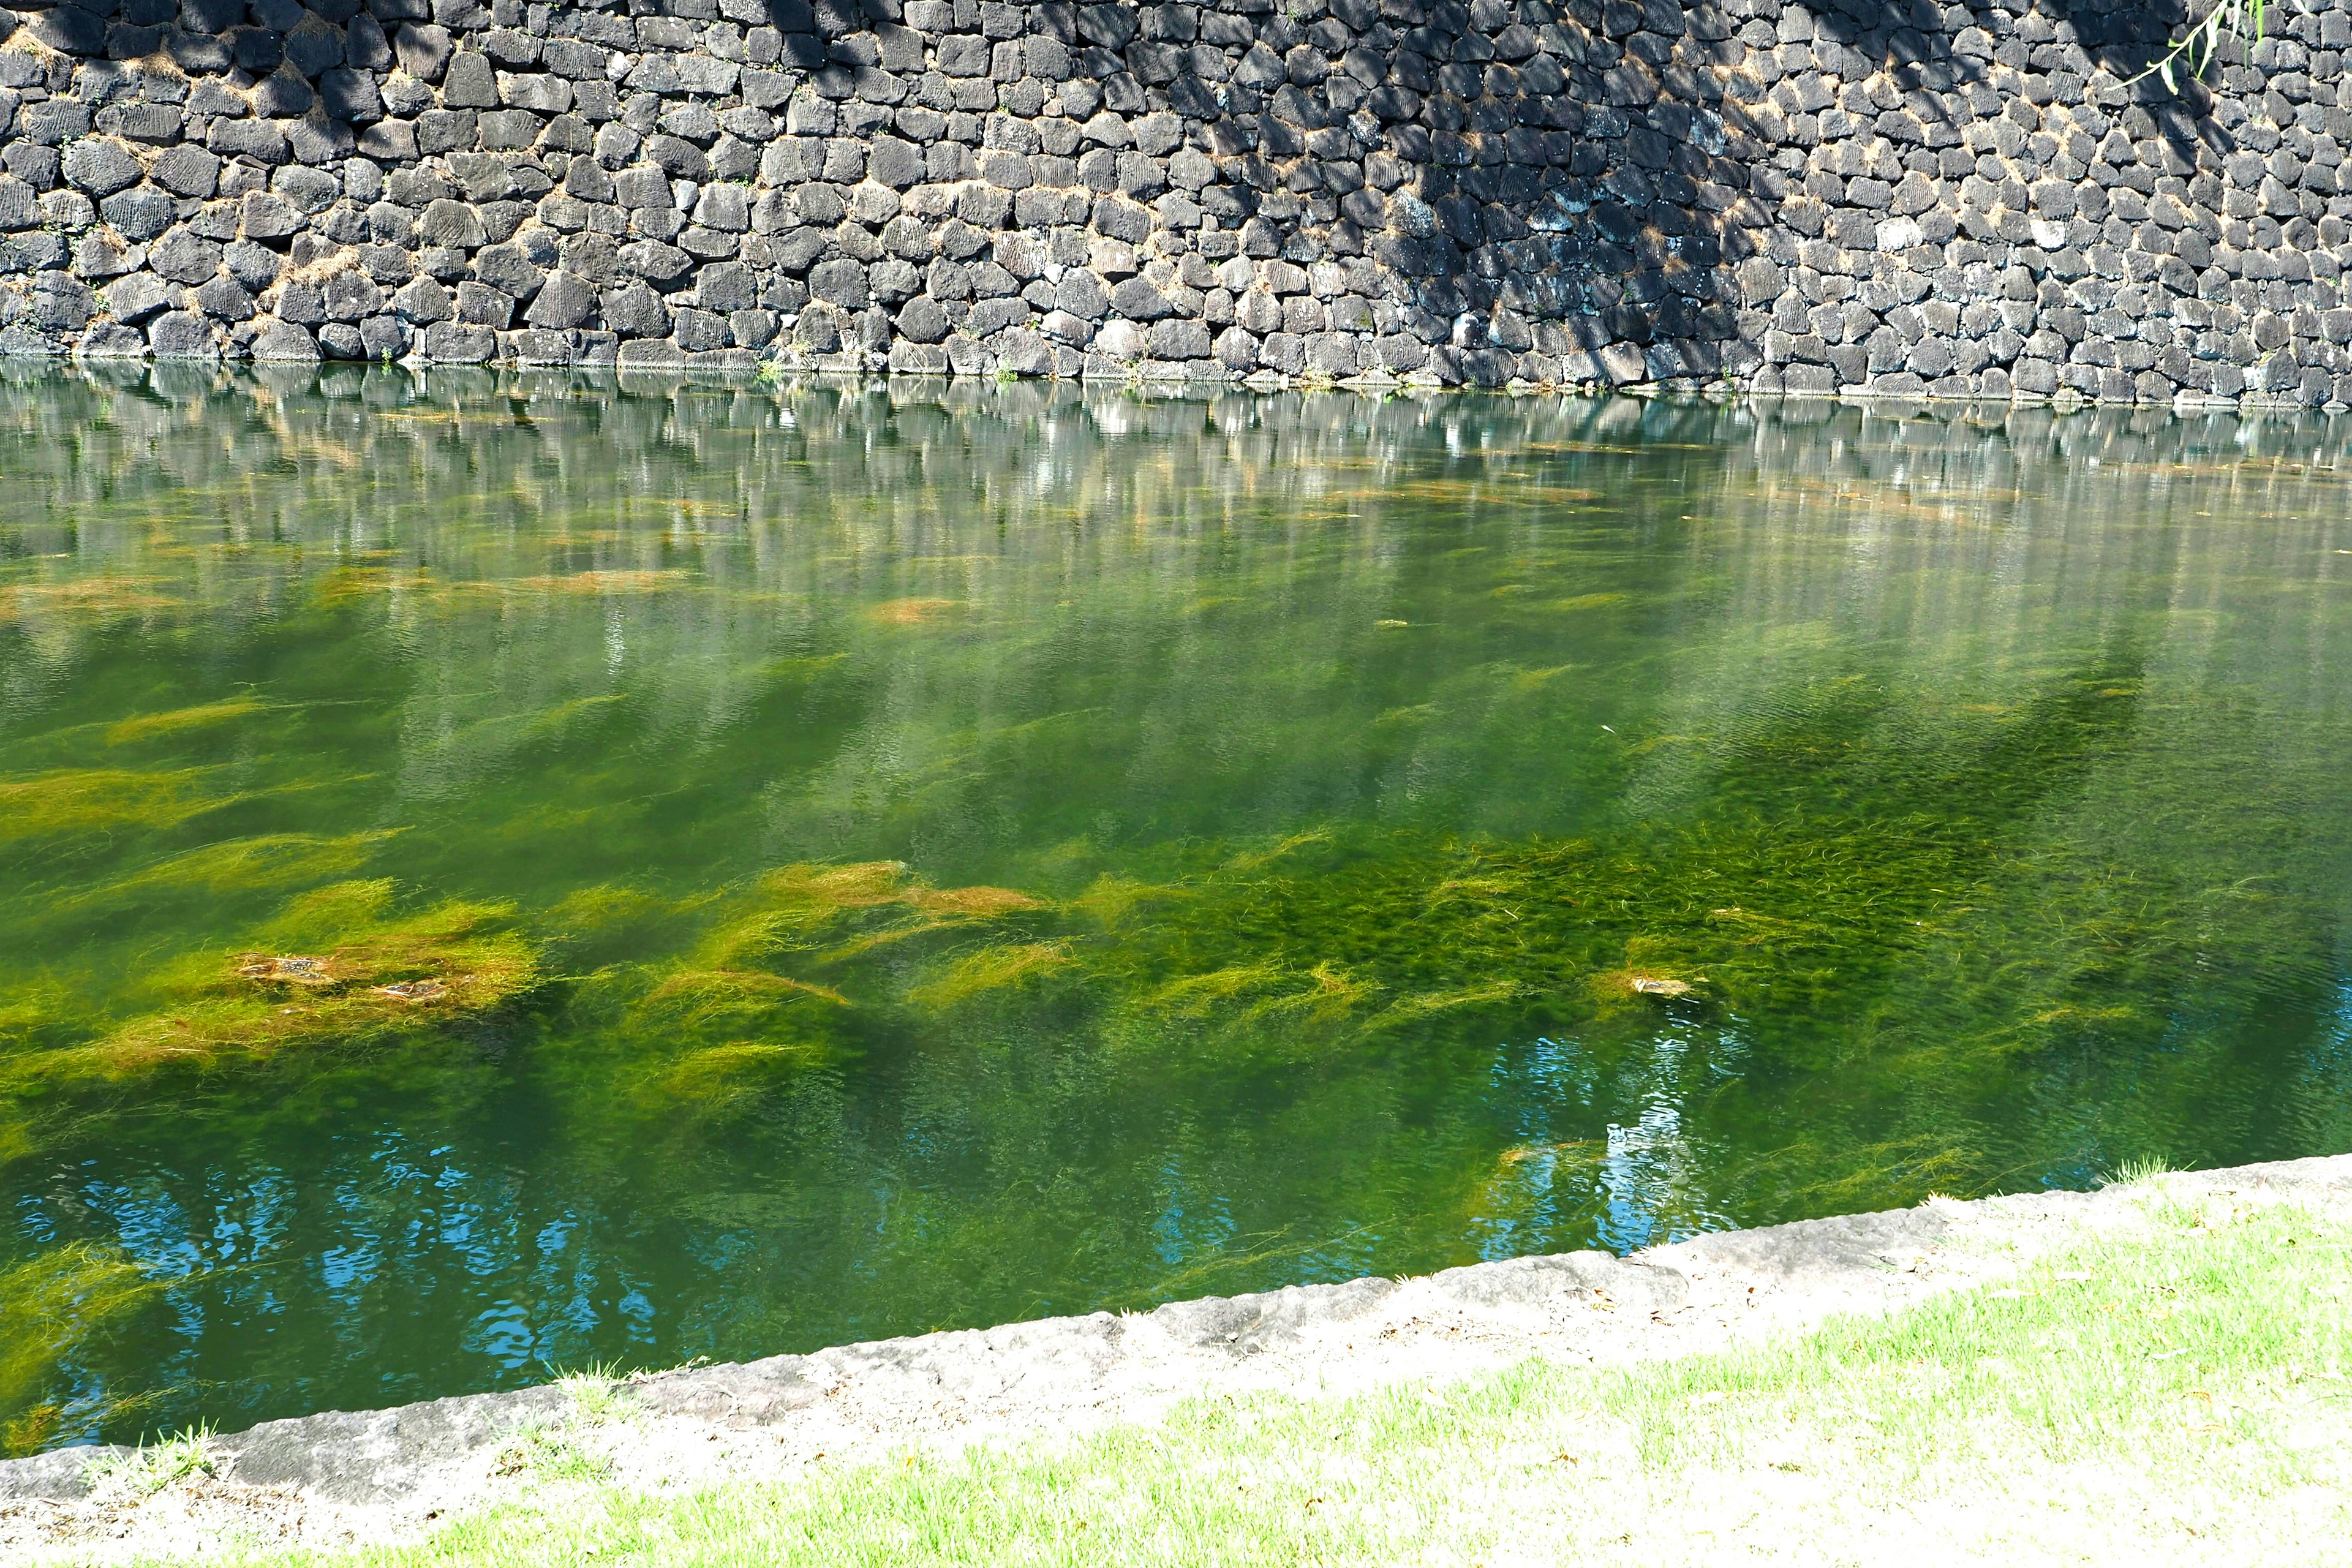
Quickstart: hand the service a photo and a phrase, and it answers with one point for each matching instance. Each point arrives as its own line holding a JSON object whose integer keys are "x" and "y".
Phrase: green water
{"x": 498, "y": 873}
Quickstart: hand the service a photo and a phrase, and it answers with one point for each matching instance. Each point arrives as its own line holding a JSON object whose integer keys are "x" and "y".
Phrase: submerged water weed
{"x": 55, "y": 1308}
{"x": 341, "y": 964}
{"x": 1326, "y": 943}
{"x": 1842, "y": 920}
{"x": 94, "y": 800}
{"x": 716, "y": 1039}
{"x": 992, "y": 968}
{"x": 599, "y": 582}
{"x": 1852, "y": 923}
{"x": 84, "y": 601}
{"x": 769, "y": 987}
{"x": 911, "y": 612}
{"x": 821, "y": 915}
{"x": 718, "y": 1079}
{"x": 345, "y": 965}
{"x": 264, "y": 863}
{"x": 144, "y": 727}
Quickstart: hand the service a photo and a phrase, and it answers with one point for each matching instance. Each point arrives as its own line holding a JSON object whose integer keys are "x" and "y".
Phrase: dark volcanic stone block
{"x": 1626, "y": 193}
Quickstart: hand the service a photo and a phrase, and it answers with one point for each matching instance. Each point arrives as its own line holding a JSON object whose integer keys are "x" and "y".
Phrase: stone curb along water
{"x": 1884, "y": 196}
{"x": 1040, "y": 1376}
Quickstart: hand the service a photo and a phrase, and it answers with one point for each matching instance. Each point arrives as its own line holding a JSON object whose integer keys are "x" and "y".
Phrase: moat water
{"x": 503, "y": 873}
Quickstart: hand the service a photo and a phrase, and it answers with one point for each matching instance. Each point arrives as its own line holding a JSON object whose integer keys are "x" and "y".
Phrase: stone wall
{"x": 1885, "y": 196}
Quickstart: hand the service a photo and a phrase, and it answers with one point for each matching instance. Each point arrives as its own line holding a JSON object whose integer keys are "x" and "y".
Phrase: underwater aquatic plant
{"x": 719, "y": 1079}
{"x": 1318, "y": 892}
{"x": 88, "y": 800}
{"x": 341, "y": 964}
{"x": 996, "y": 967}
{"x": 911, "y": 612}
{"x": 83, "y": 600}
{"x": 178, "y": 720}
{"x": 54, "y": 1306}
{"x": 264, "y": 863}
{"x": 686, "y": 1003}
{"x": 597, "y": 583}
{"x": 833, "y": 914}
{"x": 729, "y": 1017}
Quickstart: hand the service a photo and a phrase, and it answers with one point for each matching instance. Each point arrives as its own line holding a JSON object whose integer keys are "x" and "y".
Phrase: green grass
{"x": 2176, "y": 1391}
{"x": 598, "y": 1391}
{"x": 151, "y": 1467}
{"x": 568, "y": 1444}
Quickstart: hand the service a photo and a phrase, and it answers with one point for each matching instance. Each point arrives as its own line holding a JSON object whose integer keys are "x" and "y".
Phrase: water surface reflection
{"x": 788, "y": 865}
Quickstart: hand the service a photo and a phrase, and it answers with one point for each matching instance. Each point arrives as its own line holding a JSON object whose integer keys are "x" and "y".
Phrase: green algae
{"x": 71, "y": 801}
{"x": 84, "y": 602}
{"x": 717, "y": 1079}
{"x": 831, "y": 915}
{"x": 201, "y": 716}
{"x": 56, "y": 1309}
{"x": 341, "y": 966}
{"x": 702, "y": 1008}
{"x": 265, "y": 862}
{"x": 998, "y": 967}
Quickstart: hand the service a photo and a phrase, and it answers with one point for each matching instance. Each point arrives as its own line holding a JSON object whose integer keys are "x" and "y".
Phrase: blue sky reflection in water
{"x": 506, "y": 872}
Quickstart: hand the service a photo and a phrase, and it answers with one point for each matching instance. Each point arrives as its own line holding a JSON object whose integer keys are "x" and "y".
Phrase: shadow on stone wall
{"x": 1891, "y": 197}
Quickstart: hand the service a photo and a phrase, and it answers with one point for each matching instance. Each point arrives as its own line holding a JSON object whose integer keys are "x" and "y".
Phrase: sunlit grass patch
{"x": 576, "y": 1443}
{"x": 152, "y": 1466}
{"x": 548, "y": 1449}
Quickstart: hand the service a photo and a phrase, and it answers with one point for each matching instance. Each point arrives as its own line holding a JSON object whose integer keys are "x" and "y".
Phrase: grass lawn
{"x": 2176, "y": 1393}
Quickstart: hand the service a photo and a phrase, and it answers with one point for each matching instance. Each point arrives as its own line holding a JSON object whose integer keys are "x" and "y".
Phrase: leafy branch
{"x": 2196, "y": 47}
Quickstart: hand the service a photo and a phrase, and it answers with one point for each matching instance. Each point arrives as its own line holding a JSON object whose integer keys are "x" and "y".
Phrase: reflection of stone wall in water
{"x": 1880, "y": 194}
{"x": 938, "y": 467}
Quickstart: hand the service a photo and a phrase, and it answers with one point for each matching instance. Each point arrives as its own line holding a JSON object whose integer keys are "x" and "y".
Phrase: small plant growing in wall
{"x": 2193, "y": 51}
{"x": 150, "y": 1468}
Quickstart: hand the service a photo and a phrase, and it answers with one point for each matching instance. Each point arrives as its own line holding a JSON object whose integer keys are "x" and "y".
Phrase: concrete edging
{"x": 1040, "y": 1374}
